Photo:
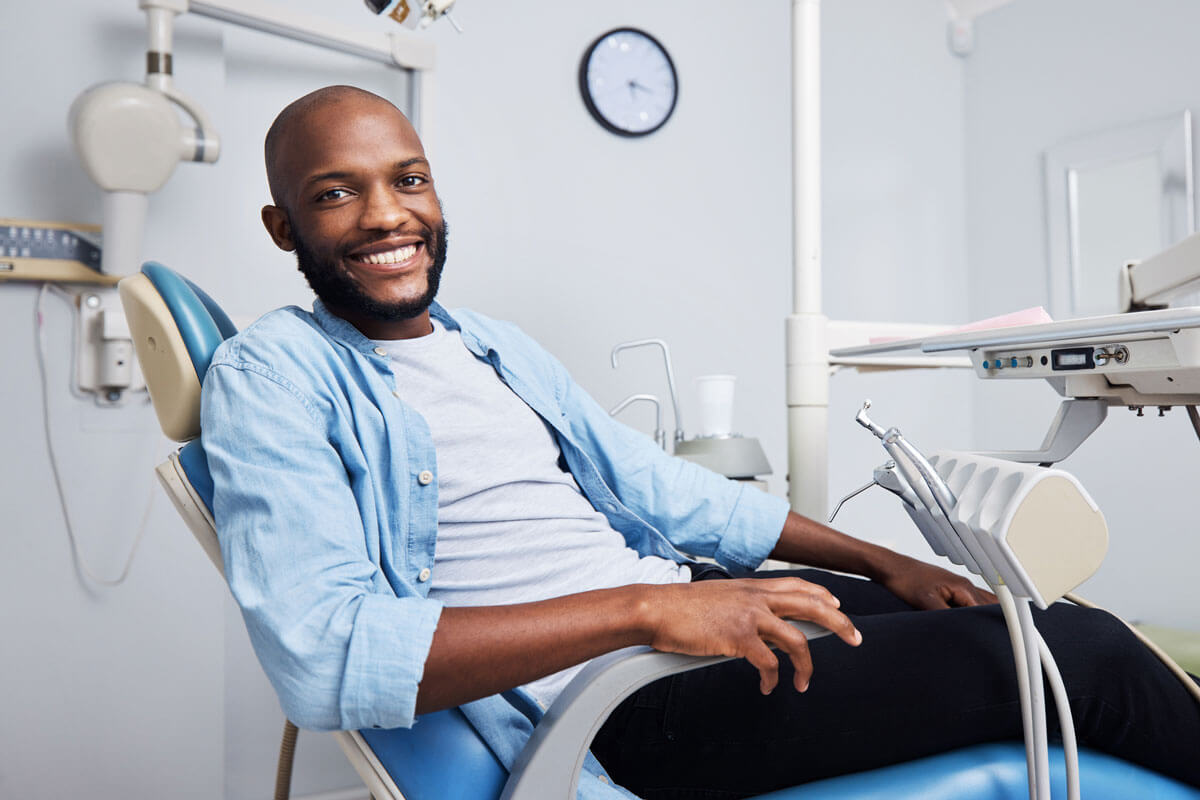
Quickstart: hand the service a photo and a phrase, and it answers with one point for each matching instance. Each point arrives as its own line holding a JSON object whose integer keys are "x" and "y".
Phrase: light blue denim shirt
{"x": 325, "y": 499}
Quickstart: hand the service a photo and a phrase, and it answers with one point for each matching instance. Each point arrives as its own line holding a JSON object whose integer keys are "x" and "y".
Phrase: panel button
{"x": 423, "y": 575}
{"x": 425, "y": 477}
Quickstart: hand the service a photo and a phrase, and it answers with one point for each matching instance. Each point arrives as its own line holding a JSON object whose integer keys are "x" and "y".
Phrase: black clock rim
{"x": 587, "y": 96}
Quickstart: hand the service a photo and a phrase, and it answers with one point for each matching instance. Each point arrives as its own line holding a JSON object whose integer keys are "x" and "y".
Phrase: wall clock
{"x": 628, "y": 82}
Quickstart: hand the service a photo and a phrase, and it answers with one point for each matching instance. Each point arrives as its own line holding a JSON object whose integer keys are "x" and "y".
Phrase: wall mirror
{"x": 1111, "y": 197}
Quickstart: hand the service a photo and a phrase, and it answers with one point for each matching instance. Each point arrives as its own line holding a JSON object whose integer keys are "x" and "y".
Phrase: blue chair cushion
{"x": 201, "y": 322}
{"x": 440, "y": 757}
{"x": 195, "y": 466}
{"x": 992, "y": 772}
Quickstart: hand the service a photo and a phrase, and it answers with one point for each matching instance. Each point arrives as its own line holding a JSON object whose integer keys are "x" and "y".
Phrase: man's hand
{"x": 921, "y": 585}
{"x": 745, "y": 619}
{"x": 926, "y": 586}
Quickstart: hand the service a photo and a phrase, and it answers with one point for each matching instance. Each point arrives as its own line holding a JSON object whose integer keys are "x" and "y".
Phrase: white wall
{"x": 894, "y": 234}
{"x": 1044, "y": 72}
{"x": 583, "y": 238}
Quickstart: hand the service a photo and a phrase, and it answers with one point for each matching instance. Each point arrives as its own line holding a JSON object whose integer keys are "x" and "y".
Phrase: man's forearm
{"x": 805, "y": 541}
{"x": 483, "y": 650}
{"x": 479, "y": 651}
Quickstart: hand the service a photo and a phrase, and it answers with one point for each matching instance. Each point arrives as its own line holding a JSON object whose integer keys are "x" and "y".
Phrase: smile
{"x": 397, "y": 256}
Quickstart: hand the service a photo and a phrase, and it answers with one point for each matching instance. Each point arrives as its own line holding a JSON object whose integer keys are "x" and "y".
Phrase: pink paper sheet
{"x": 1028, "y": 316}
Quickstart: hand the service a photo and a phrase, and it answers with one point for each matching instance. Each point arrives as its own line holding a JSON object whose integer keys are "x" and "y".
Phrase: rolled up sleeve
{"x": 697, "y": 510}
{"x": 341, "y": 649}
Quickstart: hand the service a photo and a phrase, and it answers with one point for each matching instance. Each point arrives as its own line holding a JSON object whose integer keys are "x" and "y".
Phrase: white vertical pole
{"x": 420, "y": 104}
{"x": 807, "y": 352}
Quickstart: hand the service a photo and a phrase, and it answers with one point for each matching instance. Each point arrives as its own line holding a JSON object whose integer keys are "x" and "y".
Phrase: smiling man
{"x": 420, "y": 509}
{"x": 383, "y": 282}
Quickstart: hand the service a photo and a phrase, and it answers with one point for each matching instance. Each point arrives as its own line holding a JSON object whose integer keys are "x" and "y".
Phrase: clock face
{"x": 628, "y": 82}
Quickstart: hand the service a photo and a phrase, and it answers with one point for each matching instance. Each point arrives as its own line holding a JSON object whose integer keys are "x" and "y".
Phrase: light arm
{"x": 1152, "y": 282}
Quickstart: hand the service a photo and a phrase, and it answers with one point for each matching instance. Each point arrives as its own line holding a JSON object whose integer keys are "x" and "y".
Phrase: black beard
{"x": 338, "y": 291}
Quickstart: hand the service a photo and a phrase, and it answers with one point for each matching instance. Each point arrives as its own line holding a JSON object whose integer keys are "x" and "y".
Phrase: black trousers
{"x": 922, "y": 682}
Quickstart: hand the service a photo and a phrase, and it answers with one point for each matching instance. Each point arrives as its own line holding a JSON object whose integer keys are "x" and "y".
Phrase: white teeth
{"x": 392, "y": 256}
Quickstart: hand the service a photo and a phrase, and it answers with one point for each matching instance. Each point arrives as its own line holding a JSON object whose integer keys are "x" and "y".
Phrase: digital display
{"x": 1072, "y": 358}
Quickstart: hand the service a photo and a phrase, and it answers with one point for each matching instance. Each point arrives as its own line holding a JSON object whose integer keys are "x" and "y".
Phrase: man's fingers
{"x": 983, "y": 597}
{"x": 969, "y": 595}
{"x": 798, "y": 586}
{"x": 791, "y": 641}
{"x": 827, "y": 616}
{"x": 767, "y": 664}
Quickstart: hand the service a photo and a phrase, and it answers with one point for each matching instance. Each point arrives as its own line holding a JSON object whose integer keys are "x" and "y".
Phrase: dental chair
{"x": 176, "y": 329}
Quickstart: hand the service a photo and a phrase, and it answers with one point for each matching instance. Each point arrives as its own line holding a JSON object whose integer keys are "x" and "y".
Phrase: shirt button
{"x": 425, "y": 477}
{"x": 395, "y": 394}
{"x": 423, "y": 575}
{"x": 379, "y": 351}
{"x": 604, "y": 779}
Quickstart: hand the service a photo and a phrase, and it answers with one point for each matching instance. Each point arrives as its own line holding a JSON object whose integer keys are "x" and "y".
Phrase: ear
{"x": 275, "y": 220}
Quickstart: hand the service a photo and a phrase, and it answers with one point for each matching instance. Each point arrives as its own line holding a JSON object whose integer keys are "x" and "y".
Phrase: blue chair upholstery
{"x": 443, "y": 757}
{"x": 202, "y": 323}
{"x": 992, "y": 772}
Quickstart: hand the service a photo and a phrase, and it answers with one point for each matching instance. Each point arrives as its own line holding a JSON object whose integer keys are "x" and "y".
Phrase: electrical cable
{"x": 1194, "y": 416}
{"x": 80, "y": 566}
{"x": 1170, "y": 663}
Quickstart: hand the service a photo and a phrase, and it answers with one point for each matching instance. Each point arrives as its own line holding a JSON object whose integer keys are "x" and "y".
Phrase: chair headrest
{"x": 176, "y": 328}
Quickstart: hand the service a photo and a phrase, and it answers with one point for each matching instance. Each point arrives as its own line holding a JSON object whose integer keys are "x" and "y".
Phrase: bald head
{"x": 291, "y": 127}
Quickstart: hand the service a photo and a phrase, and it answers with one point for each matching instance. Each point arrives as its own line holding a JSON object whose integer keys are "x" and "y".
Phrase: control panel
{"x": 51, "y": 251}
{"x": 1046, "y": 361}
{"x": 1149, "y": 365}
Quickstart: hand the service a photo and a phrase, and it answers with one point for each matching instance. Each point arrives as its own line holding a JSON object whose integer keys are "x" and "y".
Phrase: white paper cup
{"x": 716, "y": 404}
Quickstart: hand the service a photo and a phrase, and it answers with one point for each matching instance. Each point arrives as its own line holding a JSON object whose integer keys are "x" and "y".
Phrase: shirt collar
{"x": 346, "y": 333}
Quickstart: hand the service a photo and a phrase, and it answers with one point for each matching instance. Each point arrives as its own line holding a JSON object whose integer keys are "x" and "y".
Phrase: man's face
{"x": 361, "y": 213}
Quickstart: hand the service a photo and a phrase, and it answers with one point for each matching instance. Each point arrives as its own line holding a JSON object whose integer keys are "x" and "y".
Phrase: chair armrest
{"x": 555, "y": 752}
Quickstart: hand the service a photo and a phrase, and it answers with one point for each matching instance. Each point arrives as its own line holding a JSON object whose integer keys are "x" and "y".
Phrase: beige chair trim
{"x": 368, "y": 766}
{"x": 191, "y": 508}
{"x": 166, "y": 365}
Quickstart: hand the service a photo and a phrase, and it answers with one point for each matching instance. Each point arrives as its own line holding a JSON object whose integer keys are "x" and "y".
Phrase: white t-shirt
{"x": 513, "y": 525}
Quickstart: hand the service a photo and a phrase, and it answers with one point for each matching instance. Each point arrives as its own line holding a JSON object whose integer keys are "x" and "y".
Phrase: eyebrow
{"x": 337, "y": 175}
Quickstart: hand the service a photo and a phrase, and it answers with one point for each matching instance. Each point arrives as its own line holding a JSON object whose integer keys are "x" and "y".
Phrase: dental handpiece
{"x": 934, "y": 495}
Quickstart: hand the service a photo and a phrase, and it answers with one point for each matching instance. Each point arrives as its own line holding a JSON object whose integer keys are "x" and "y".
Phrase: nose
{"x": 382, "y": 210}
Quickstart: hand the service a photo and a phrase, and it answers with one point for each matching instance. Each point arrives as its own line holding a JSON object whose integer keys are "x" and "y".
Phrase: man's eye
{"x": 412, "y": 180}
{"x": 333, "y": 194}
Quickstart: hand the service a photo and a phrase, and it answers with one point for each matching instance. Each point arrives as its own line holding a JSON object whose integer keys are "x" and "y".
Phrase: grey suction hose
{"x": 1028, "y": 646}
{"x": 1029, "y": 649}
{"x": 287, "y": 755}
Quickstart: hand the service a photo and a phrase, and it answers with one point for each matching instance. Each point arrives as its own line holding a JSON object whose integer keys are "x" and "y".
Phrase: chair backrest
{"x": 176, "y": 328}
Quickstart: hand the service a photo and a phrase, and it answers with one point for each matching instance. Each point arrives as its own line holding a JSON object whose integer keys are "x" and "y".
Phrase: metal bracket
{"x": 105, "y": 364}
{"x": 1076, "y": 420}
